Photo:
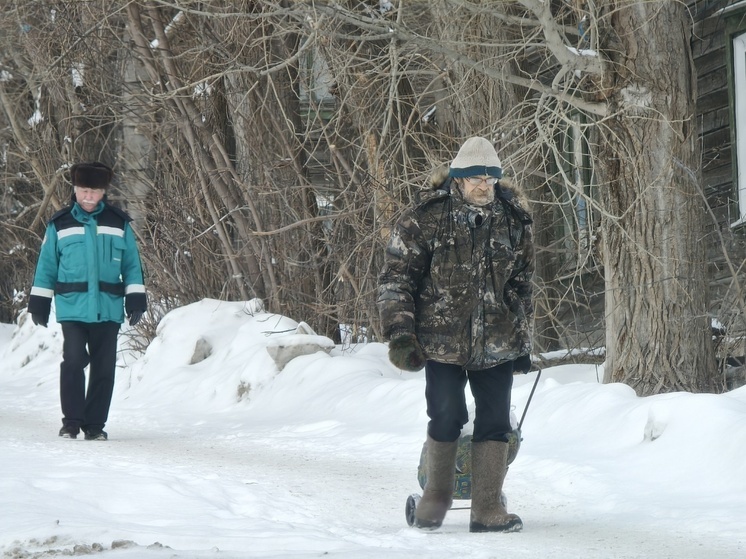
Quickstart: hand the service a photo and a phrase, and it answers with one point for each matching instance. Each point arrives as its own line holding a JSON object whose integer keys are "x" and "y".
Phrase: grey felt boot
{"x": 489, "y": 464}
{"x": 438, "y": 494}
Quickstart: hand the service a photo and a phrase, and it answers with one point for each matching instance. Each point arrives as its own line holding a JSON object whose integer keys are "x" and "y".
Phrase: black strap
{"x": 82, "y": 286}
{"x": 70, "y": 287}
{"x": 112, "y": 288}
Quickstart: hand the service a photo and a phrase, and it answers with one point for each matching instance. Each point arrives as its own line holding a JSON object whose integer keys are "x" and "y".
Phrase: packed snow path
{"x": 227, "y": 457}
{"x": 263, "y": 492}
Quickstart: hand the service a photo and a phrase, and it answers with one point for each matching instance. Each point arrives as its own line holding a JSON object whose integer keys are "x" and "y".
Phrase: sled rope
{"x": 531, "y": 395}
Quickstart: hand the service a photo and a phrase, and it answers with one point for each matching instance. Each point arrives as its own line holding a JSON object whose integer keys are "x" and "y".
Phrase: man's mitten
{"x": 134, "y": 317}
{"x": 522, "y": 364}
{"x": 406, "y": 353}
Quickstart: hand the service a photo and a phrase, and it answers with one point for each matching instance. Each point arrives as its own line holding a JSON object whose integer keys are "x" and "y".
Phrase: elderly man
{"x": 455, "y": 298}
{"x": 90, "y": 264}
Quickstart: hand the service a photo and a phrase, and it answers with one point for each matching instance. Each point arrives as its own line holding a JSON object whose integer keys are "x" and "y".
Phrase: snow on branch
{"x": 569, "y": 58}
{"x": 77, "y": 71}
{"x": 169, "y": 29}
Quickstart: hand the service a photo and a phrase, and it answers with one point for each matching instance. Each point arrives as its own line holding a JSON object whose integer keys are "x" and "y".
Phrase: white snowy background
{"x": 215, "y": 453}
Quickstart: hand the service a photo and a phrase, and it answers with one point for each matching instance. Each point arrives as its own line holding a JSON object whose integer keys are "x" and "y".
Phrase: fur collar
{"x": 439, "y": 180}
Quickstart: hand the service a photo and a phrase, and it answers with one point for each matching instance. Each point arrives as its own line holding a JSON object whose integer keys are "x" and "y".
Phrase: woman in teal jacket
{"x": 89, "y": 263}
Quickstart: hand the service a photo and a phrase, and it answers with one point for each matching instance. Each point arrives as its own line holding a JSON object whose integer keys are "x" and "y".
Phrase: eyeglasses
{"x": 476, "y": 181}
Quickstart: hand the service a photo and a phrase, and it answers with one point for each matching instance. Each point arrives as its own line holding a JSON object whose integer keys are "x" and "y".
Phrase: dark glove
{"x": 406, "y": 353}
{"x": 522, "y": 364}
{"x": 135, "y": 317}
{"x": 39, "y": 320}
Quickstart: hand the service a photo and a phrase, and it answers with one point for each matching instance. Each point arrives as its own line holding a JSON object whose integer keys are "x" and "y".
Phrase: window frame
{"x": 737, "y": 68}
{"x": 735, "y": 27}
{"x": 573, "y": 215}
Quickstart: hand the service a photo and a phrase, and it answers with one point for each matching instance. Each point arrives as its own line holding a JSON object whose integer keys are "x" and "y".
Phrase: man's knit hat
{"x": 91, "y": 175}
{"x": 476, "y": 157}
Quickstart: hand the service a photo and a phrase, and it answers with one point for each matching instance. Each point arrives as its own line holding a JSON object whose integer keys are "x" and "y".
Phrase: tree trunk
{"x": 657, "y": 327}
{"x": 136, "y": 151}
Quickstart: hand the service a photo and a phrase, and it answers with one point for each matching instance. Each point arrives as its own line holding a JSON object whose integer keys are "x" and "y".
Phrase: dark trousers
{"x": 84, "y": 343}
{"x": 446, "y": 401}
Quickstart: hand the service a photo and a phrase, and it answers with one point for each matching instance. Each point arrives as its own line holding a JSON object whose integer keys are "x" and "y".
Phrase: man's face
{"x": 88, "y": 198}
{"x": 479, "y": 191}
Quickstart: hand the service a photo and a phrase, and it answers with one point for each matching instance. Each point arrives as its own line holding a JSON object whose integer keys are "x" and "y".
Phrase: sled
{"x": 462, "y": 481}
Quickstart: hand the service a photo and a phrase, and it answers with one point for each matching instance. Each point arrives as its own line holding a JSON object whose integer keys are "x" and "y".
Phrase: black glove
{"x": 39, "y": 320}
{"x": 406, "y": 353}
{"x": 522, "y": 364}
{"x": 135, "y": 317}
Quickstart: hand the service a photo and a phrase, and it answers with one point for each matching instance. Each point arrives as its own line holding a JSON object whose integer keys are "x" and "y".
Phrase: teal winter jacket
{"x": 90, "y": 264}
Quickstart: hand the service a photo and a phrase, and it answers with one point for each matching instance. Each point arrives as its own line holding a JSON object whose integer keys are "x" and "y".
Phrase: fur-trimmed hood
{"x": 440, "y": 180}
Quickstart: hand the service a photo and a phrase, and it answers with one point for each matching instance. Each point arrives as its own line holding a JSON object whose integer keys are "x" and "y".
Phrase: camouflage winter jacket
{"x": 459, "y": 277}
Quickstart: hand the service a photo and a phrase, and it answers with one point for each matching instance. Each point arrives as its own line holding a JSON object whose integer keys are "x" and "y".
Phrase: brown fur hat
{"x": 91, "y": 175}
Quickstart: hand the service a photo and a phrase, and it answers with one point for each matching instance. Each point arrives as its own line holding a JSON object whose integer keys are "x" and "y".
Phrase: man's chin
{"x": 481, "y": 201}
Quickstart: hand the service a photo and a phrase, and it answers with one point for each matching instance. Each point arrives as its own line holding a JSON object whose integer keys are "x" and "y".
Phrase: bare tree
{"x": 266, "y": 147}
{"x": 658, "y": 329}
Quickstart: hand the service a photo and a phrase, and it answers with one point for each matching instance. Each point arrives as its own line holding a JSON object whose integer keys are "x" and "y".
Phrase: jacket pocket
{"x": 117, "y": 250}
{"x": 110, "y": 267}
{"x": 502, "y": 334}
{"x": 73, "y": 264}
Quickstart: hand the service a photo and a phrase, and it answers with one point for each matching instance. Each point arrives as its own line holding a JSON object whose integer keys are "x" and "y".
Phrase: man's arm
{"x": 45, "y": 278}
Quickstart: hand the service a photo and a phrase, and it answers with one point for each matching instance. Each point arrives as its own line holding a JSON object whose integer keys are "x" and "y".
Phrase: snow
{"x": 582, "y": 52}
{"x": 77, "y": 71}
{"x": 216, "y": 453}
{"x": 168, "y": 30}
{"x": 37, "y": 117}
{"x": 385, "y": 6}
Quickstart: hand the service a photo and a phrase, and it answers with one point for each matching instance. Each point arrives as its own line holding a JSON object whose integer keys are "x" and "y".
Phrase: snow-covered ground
{"x": 230, "y": 458}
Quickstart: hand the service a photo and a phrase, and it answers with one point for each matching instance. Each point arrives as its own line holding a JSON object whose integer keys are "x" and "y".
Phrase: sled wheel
{"x": 412, "y": 501}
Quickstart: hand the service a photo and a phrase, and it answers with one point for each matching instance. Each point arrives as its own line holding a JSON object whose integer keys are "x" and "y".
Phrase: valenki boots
{"x": 438, "y": 494}
{"x": 489, "y": 464}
